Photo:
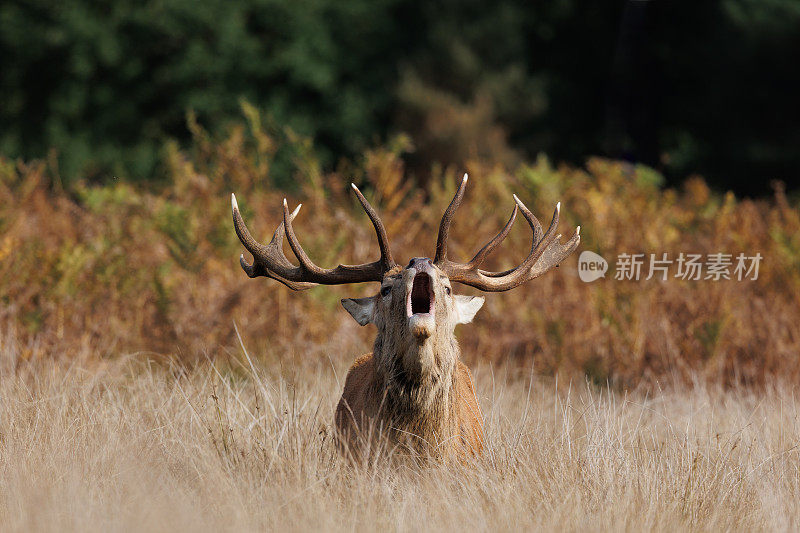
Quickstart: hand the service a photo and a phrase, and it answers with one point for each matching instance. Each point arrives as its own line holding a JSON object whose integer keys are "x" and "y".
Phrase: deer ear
{"x": 467, "y": 307}
{"x": 361, "y": 308}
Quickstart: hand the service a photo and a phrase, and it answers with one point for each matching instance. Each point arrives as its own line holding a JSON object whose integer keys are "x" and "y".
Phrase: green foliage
{"x": 107, "y": 83}
{"x": 709, "y": 87}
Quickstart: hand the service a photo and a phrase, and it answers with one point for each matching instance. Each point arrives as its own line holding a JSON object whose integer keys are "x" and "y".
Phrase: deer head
{"x": 416, "y": 313}
{"x": 415, "y": 310}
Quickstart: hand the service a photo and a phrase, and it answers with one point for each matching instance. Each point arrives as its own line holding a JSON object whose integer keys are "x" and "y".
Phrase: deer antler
{"x": 271, "y": 262}
{"x": 546, "y": 250}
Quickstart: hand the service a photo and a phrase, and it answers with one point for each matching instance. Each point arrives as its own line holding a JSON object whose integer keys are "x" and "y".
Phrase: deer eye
{"x": 386, "y": 290}
{"x": 447, "y": 290}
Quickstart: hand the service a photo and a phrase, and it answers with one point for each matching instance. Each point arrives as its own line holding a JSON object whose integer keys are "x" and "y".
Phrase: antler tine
{"x": 447, "y": 218}
{"x": 252, "y": 245}
{"x": 301, "y": 255}
{"x": 380, "y": 231}
{"x": 539, "y": 242}
{"x": 274, "y": 249}
{"x": 477, "y": 261}
{"x": 537, "y": 226}
{"x": 271, "y": 262}
{"x": 546, "y": 252}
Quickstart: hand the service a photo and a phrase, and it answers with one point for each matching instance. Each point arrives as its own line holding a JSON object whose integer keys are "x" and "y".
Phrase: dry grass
{"x": 133, "y": 446}
{"x": 92, "y": 439}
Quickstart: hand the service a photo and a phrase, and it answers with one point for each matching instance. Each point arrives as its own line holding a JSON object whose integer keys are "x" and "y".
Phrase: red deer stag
{"x": 413, "y": 385}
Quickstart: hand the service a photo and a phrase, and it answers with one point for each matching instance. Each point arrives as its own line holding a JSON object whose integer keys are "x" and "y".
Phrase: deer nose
{"x": 419, "y": 263}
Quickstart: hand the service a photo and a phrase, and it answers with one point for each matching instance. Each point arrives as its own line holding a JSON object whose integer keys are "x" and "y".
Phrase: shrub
{"x": 123, "y": 268}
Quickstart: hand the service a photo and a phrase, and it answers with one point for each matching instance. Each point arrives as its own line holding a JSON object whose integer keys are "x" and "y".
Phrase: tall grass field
{"x": 241, "y": 448}
{"x": 147, "y": 384}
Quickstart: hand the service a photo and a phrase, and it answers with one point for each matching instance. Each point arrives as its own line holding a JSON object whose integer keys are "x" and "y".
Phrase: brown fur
{"x": 412, "y": 388}
{"x": 459, "y": 431}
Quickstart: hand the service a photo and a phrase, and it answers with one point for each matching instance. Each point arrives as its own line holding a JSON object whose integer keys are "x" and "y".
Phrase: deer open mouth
{"x": 420, "y": 299}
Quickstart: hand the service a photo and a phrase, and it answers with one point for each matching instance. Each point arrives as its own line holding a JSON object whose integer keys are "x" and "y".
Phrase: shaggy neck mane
{"x": 417, "y": 382}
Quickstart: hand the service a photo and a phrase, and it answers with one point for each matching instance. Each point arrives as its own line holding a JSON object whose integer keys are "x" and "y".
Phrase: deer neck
{"x": 417, "y": 380}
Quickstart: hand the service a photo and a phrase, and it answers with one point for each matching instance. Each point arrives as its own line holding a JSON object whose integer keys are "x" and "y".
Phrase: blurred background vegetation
{"x": 686, "y": 87}
{"x": 92, "y": 271}
{"x": 124, "y": 126}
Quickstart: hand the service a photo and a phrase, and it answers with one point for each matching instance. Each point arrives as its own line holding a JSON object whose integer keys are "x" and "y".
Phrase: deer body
{"x": 413, "y": 387}
{"x": 439, "y": 420}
